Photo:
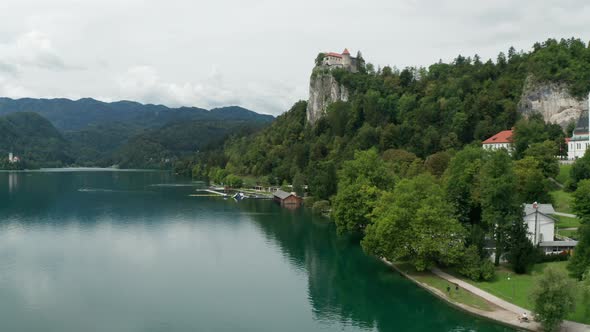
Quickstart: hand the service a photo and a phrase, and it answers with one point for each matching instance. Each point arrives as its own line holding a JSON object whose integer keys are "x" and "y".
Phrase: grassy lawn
{"x": 571, "y": 234}
{"x": 518, "y": 288}
{"x": 563, "y": 201}
{"x": 567, "y": 222}
{"x": 564, "y": 173}
{"x": 460, "y": 296}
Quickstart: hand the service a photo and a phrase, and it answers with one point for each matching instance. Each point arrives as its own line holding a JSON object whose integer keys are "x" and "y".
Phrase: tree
{"x": 475, "y": 267}
{"x": 319, "y": 59}
{"x": 366, "y": 165}
{"x": 234, "y": 181}
{"x": 299, "y": 184}
{"x": 580, "y": 170}
{"x": 399, "y": 160}
{"x": 323, "y": 181}
{"x": 527, "y": 132}
{"x": 461, "y": 183}
{"x": 521, "y": 252}
{"x": 353, "y": 205}
{"x": 553, "y": 298}
{"x": 500, "y": 207}
{"x": 545, "y": 153}
{"x": 580, "y": 260}
{"x": 532, "y": 186}
{"x": 415, "y": 223}
{"x": 437, "y": 163}
{"x": 581, "y": 204}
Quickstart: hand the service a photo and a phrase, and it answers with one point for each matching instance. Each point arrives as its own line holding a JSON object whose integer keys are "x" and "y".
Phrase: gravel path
{"x": 517, "y": 311}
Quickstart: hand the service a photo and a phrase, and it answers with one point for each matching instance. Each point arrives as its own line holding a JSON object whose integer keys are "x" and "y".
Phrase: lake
{"x": 101, "y": 250}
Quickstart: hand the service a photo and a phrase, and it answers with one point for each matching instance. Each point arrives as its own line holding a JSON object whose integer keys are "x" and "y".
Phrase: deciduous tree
{"x": 553, "y": 298}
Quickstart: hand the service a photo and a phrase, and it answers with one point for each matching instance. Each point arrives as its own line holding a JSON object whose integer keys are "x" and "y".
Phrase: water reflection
{"x": 12, "y": 181}
{"x": 345, "y": 285}
{"x": 122, "y": 252}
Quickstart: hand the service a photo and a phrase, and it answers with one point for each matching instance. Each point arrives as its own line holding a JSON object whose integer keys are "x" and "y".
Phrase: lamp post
{"x": 513, "y": 290}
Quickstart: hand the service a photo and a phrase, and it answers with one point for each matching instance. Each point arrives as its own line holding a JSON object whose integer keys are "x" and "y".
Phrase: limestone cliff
{"x": 552, "y": 100}
{"x": 323, "y": 90}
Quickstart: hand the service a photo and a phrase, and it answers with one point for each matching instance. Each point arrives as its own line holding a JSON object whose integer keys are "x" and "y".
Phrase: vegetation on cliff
{"x": 401, "y": 163}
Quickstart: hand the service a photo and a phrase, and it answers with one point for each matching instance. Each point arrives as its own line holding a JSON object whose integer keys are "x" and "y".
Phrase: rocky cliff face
{"x": 552, "y": 100}
{"x": 323, "y": 90}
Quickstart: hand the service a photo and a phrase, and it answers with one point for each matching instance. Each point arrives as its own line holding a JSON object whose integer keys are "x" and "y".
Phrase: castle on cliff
{"x": 342, "y": 60}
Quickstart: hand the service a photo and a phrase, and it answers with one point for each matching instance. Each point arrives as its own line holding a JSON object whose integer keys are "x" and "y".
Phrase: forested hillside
{"x": 73, "y": 115}
{"x": 162, "y": 147}
{"x": 423, "y": 111}
{"x": 125, "y": 134}
{"x": 401, "y": 164}
{"x": 34, "y": 140}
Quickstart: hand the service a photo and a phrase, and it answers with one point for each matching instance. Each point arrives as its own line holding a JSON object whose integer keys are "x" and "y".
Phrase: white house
{"x": 578, "y": 143}
{"x": 541, "y": 226}
{"x": 12, "y": 158}
{"x": 502, "y": 140}
{"x": 540, "y": 223}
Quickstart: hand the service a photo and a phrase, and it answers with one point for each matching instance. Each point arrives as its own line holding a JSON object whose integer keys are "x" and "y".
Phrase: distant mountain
{"x": 129, "y": 134}
{"x": 161, "y": 147}
{"x": 72, "y": 115}
{"x": 34, "y": 139}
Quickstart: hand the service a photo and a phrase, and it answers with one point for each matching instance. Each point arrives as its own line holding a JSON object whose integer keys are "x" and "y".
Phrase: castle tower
{"x": 346, "y": 61}
{"x": 10, "y": 157}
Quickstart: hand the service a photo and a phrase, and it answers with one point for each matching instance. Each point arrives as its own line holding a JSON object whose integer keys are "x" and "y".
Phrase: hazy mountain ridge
{"x": 95, "y": 133}
{"x": 70, "y": 115}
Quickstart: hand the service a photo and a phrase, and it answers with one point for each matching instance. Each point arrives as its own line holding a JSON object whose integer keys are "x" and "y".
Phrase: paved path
{"x": 568, "y": 326}
{"x": 565, "y": 214}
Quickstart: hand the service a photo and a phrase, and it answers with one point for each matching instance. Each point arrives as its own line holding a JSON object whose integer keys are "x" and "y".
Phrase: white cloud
{"x": 145, "y": 84}
{"x": 31, "y": 49}
{"x": 257, "y": 53}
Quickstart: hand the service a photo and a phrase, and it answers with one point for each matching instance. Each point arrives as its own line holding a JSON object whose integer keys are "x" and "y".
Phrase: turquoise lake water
{"x": 132, "y": 251}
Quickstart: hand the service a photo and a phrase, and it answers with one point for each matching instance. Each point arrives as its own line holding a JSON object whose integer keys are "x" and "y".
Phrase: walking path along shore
{"x": 504, "y": 312}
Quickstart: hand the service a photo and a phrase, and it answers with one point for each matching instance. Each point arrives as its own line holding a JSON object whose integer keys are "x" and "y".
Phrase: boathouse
{"x": 289, "y": 200}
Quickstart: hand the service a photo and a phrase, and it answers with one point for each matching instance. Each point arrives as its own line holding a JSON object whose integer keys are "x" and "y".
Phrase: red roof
{"x": 334, "y": 54}
{"x": 346, "y": 51}
{"x": 504, "y": 136}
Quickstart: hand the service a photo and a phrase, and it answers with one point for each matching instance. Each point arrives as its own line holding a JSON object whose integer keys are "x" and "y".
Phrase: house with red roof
{"x": 502, "y": 140}
{"x": 341, "y": 60}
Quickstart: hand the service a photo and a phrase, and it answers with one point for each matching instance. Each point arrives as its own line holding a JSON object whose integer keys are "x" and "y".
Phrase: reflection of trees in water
{"x": 56, "y": 195}
{"x": 342, "y": 283}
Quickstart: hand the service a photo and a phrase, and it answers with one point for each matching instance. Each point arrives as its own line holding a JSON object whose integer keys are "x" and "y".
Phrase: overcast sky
{"x": 253, "y": 53}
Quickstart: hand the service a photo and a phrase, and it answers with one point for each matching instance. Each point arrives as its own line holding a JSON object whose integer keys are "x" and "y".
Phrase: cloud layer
{"x": 257, "y": 54}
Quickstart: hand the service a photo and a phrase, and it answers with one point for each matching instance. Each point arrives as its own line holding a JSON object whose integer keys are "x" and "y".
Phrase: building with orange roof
{"x": 342, "y": 60}
{"x": 502, "y": 140}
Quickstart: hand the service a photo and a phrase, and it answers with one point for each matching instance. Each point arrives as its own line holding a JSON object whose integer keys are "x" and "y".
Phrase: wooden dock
{"x": 211, "y": 192}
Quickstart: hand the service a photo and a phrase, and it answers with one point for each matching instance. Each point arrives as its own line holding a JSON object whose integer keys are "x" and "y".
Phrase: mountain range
{"x": 88, "y": 132}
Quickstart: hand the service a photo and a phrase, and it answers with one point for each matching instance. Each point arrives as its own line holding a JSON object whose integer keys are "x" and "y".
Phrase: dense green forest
{"x": 423, "y": 111}
{"x": 401, "y": 165}
{"x": 33, "y": 139}
{"x": 125, "y": 134}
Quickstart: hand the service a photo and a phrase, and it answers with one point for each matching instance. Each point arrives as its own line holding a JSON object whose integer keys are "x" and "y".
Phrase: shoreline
{"x": 499, "y": 315}
{"x": 505, "y": 313}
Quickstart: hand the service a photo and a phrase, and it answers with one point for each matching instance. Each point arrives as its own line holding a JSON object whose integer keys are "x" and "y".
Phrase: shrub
{"x": 554, "y": 297}
{"x": 474, "y": 267}
{"x": 321, "y": 207}
{"x": 562, "y": 256}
